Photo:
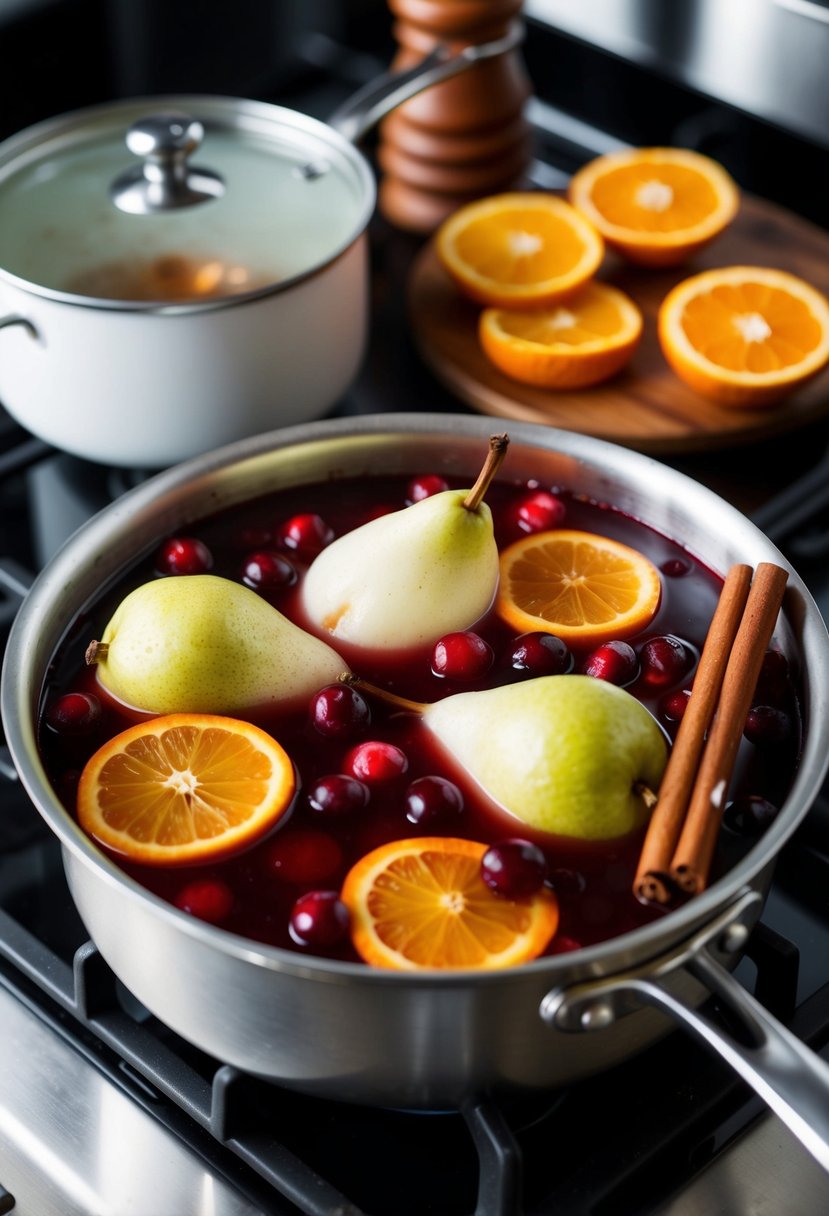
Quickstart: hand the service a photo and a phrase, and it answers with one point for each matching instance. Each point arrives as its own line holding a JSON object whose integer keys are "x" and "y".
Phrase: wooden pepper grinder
{"x": 461, "y": 139}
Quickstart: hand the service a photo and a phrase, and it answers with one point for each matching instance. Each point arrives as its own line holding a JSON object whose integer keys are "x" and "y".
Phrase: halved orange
{"x": 422, "y": 903}
{"x": 184, "y": 788}
{"x": 745, "y": 335}
{"x": 656, "y": 206}
{"x": 582, "y": 587}
{"x": 571, "y": 345}
{"x": 519, "y": 250}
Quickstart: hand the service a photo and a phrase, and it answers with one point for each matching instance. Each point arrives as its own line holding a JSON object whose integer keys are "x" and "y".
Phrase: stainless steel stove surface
{"x": 106, "y": 1112}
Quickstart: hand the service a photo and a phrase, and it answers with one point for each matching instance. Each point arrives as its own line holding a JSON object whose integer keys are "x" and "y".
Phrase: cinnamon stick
{"x": 692, "y": 857}
{"x": 652, "y": 882}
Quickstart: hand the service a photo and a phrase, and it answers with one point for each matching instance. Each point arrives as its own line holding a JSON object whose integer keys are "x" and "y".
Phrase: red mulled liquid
{"x": 342, "y": 811}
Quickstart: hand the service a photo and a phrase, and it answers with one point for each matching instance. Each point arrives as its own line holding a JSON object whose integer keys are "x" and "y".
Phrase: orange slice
{"x": 571, "y": 345}
{"x": 422, "y": 903}
{"x": 184, "y": 788}
{"x": 656, "y": 206}
{"x": 582, "y": 587}
{"x": 519, "y": 250}
{"x": 745, "y": 335}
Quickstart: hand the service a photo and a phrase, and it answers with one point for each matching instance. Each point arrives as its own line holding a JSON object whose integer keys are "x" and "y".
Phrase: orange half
{"x": 184, "y": 788}
{"x": 745, "y": 335}
{"x": 519, "y": 250}
{"x": 580, "y": 586}
{"x": 422, "y": 903}
{"x": 580, "y": 342}
{"x": 656, "y": 206}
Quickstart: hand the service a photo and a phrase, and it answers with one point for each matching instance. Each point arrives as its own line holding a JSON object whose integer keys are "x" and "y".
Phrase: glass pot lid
{"x": 177, "y": 202}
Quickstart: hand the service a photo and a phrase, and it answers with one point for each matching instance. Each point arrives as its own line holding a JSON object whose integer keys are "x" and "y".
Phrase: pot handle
{"x": 786, "y": 1074}
{"x": 365, "y": 108}
{"x": 14, "y": 319}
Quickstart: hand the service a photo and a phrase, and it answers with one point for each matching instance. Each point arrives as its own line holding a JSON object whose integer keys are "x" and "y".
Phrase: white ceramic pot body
{"x": 150, "y": 380}
{"x": 149, "y": 389}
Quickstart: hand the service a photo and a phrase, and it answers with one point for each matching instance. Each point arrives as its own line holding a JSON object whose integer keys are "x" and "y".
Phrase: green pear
{"x": 566, "y": 754}
{"x": 406, "y": 578}
{"x": 203, "y": 644}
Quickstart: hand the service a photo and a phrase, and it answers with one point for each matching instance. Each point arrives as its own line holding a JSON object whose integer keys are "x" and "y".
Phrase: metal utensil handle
{"x": 379, "y": 97}
{"x": 790, "y": 1078}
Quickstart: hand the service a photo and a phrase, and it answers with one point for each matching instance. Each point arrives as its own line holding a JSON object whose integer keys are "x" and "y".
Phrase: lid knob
{"x": 166, "y": 180}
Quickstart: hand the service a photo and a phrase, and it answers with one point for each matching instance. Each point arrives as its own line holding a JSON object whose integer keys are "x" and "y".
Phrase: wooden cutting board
{"x": 646, "y": 406}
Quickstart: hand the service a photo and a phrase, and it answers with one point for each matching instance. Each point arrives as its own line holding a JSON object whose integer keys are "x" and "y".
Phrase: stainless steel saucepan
{"x": 432, "y": 1039}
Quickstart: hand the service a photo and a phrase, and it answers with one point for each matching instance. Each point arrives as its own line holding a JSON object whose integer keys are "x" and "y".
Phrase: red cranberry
{"x": 338, "y": 794}
{"x": 514, "y": 868}
{"x": 209, "y": 899}
{"x": 75, "y": 713}
{"x": 375, "y": 762}
{"x": 540, "y": 511}
{"x": 319, "y": 918}
{"x": 773, "y": 681}
{"x": 675, "y": 567}
{"x": 562, "y": 944}
{"x": 749, "y": 815}
{"x": 184, "y": 555}
{"x": 665, "y": 660}
{"x": 540, "y": 654}
{"x": 254, "y": 536}
{"x": 615, "y": 662}
{"x": 265, "y": 570}
{"x": 305, "y": 534}
{"x": 461, "y": 656}
{"x": 765, "y": 724}
{"x": 425, "y": 486}
{"x": 304, "y": 856}
{"x": 339, "y": 711}
{"x": 674, "y": 706}
{"x": 432, "y": 799}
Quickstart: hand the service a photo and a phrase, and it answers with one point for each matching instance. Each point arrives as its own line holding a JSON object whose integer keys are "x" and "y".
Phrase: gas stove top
{"x": 104, "y": 1110}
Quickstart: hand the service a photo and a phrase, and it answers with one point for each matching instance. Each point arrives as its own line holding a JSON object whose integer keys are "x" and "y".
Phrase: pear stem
{"x": 382, "y": 694}
{"x": 645, "y": 793}
{"x": 498, "y": 445}
{"x": 95, "y": 653}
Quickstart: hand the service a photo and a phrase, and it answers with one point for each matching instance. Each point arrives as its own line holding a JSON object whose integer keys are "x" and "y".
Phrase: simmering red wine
{"x": 368, "y": 774}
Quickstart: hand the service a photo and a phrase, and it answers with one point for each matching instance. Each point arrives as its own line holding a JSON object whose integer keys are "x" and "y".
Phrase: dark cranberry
{"x": 675, "y": 567}
{"x": 375, "y": 762}
{"x": 674, "y": 706}
{"x": 304, "y": 856}
{"x": 319, "y": 918}
{"x": 425, "y": 486}
{"x": 305, "y": 534}
{"x": 562, "y": 944}
{"x": 431, "y": 800}
{"x": 265, "y": 570}
{"x": 765, "y": 724}
{"x": 75, "y": 713}
{"x": 209, "y": 899}
{"x": 339, "y": 711}
{"x": 540, "y": 512}
{"x": 184, "y": 555}
{"x": 749, "y": 815}
{"x": 540, "y": 654}
{"x": 773, "y": 681}
{"x": 461, "y": 656}
{"x": 665, "y": 660}
{"x": 514, "y": 868}
{"x": 338, "y": 794}
{"x": 567, "y": 884}
{"x": 254, "y": 536}
{"x": 615, "y": 662}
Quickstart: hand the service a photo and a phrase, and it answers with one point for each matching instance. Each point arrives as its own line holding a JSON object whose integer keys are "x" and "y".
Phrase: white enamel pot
{"x": 432, "y": 1039}
{"x": 179, "y": 272}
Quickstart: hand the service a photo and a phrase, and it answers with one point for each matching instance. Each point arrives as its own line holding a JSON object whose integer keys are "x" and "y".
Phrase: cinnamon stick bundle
{"x": 681, "y": 836}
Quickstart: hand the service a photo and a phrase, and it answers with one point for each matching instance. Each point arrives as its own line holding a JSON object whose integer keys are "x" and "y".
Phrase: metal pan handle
{"x": 786, "y": 1074}
{"x": 364, "y": 109}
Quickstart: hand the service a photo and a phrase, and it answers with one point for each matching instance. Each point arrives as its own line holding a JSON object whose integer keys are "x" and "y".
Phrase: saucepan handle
{"x": 791, "y": 1079}
{"x": 379, "y": 97}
